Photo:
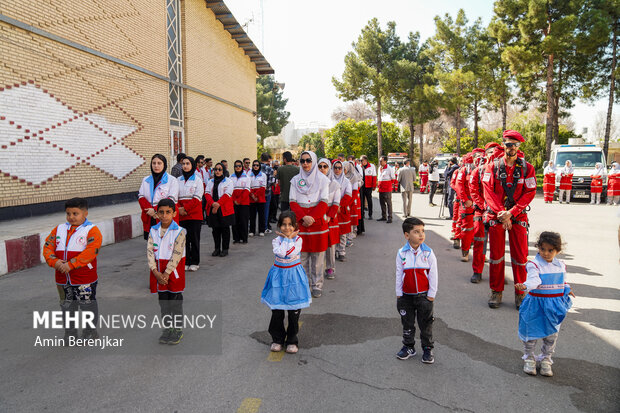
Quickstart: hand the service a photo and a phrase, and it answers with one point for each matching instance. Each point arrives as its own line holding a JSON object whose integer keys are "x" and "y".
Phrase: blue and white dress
{"x": 286, "y": 287}
{"x": 547, "y": 303}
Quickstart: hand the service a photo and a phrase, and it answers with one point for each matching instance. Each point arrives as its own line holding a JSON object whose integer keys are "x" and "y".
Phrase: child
{"x": 416, "y": 286}
{"x": 165, "y": 252}
{"x": 286, "y": 287}
{"x": 72, "y": 249}
{"x": 546, "y": 305}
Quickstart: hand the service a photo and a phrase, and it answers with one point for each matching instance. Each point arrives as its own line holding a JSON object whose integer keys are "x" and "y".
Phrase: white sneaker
{"x": 194, "y": 267}
{"x": 530, "y": 367}
{"x": 251, "y": 234}
{"x": 292, "y": 349}
{"x": 262, "y": 234}
{"x": 275, "y": 347}
{"x": 186, "y": 267}
{"x": 545, "y": 368}
{"x": 267, "y": 231}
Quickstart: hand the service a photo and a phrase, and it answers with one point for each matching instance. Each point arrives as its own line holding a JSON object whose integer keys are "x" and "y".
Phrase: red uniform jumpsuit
{"x": 477, "y": 195}
{"x": 456, "y": 213}
{"x": 466, "y": 213}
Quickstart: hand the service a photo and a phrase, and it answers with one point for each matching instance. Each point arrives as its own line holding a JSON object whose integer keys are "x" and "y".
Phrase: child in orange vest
{"x": 72, "y": 249}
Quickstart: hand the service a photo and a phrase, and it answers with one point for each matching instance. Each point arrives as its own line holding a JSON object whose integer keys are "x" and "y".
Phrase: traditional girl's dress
{"x": 286, "y": 287}
{"x": 549, "y": 183}
{"x": 547, "y": 303}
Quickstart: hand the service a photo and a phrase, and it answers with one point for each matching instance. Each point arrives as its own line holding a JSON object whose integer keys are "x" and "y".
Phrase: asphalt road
{"x": 348, "y": 337}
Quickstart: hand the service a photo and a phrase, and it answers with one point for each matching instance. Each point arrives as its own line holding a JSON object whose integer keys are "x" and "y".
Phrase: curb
{"x": 26, "y": 252}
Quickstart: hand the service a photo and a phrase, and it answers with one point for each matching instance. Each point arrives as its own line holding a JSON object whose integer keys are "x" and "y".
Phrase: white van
{"x": 584, "y": 159}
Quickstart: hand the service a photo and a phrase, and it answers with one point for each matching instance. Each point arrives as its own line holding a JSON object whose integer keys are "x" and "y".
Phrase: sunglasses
{"x": 323, "y": 166}
{"x": 307, "y": 160}
{"x": 247, "y": 162}
{"x": 337, "y": 167}
{"x": 218, "y": 169}
{"x": 512, "y": 144}
{"x": 256, "y": 165}
{"x": 238, "y": 166}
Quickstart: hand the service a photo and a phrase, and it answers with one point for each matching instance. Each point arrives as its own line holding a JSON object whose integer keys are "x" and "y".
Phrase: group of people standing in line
{"x": 564, "y": 176}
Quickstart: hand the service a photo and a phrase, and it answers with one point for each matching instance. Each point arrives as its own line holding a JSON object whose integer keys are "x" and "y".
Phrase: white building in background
{"x": 292, "y": 133}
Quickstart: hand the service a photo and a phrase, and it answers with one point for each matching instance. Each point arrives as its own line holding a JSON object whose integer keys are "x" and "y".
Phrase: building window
{"x": 175, "y": 95}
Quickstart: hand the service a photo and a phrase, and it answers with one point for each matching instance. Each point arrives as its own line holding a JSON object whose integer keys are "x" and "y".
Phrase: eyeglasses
{"x": 512, "y": 144}
{"x": 305, "y": 160}
{"x": 337, "y": 167}
{"x": 323, "y": 166}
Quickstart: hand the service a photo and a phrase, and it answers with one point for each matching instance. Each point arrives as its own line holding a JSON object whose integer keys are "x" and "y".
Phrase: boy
{"x": 165, "y": 252}
{"x": 71, "y": 248}
{"x": 416, "y": 286}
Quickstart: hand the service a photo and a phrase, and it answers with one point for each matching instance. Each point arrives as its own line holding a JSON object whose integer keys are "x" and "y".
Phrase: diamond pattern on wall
{"x": 42, "y": 137}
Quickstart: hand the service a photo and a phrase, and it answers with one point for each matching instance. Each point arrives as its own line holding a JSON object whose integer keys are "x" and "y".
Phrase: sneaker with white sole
{"x": 405, "y": 353}
{"x": 529, "y": 367}
{"x": 428, "y": 357}
{"x": 251, "y": 234}
{"x": 275, "y": 347}
{"x": 545, "y": 368}
{"x": 268, "y": 231}
{"x": 194, "y": 267}
{"x": 292, "y": 348}
{"x": 262, "y": 234}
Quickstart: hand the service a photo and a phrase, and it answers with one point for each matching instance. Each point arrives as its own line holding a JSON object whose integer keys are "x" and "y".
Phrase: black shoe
{"x": 165, "y": 336}
{"x": 389, "y": 221}
{"x": 215, "y": 253}
{"x": 70, "y": 333}
{"x": 90, "y": 333}
{"x": 236, "y": 242}
{"x": 381, "y": 219}
{"x": 224, "y": 253}
{"x": 427, "y": 357}
{"x": 175, "y": 336}
{"x": 405, "y": 353}
{"x": 244, "y": 242}
{"x": 476, "y": 278}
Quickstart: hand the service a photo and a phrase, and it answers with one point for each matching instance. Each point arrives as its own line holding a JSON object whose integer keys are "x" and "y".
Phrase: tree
{"x": 448, "y": 52}
{"x": 357, "y": 111}
{"x": 412, "y": 95}
{"x": 313, "y": 141}
{"x": 364, "y": 75}
{"x": 270, "y": 103}
{"x": 499, "y": 88}
{"x": 540, "y": 46}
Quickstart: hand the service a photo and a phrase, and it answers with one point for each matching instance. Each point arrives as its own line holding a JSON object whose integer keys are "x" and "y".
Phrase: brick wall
{"x": 74, "y": 124}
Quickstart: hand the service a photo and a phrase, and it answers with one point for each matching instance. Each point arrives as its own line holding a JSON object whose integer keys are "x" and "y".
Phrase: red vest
{"x": 163, "y": 252}
{"x": 66, "y": 249}
{"x": 566, "y": 182}
{"x": 596, "y": 187}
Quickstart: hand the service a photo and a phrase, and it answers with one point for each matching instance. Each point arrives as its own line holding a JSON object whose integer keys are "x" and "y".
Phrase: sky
{"x": 306, "y": 42}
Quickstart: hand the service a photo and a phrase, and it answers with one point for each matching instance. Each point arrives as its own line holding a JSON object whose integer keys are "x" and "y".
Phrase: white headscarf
{"x": 333, "y": 185}
{"x": 345, "y": 184}
{"x": 351, "y": 172}
{"x": 549, "y": 169}
{"x": 599, "y": 170}
{"x": 309, "y": 182}
{"x": 568, "y": 169}
{"x": 615, "y": 169}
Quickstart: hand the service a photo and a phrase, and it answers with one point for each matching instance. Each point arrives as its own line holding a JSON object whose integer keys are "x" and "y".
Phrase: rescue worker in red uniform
{"x": 492, "y": 151}
{"x": 466, "y": 206}
{"x": 456, "y": 213}
{"x": 509, "y": 187}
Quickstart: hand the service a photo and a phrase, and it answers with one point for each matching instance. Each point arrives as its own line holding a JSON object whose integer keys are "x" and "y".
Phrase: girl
{"x": 331, "y": 217}
{"x": 191, "y": 210}
{"x": 155, "y": 187}
{"x": 566, "y": 181}
{"x": 355, "y": 178}
{"x": 258, "y": 186}
{"x": 308, "y": 198}
{"x": 344, "y": 214}
{"x": 286, "y": 287}
{"x": 546, "y": 305}
{"x": 241, "y": 199}
{"x": 220, "y": 209}
{"x": 613, "y": 185}
{"x": 596, "y": 186}
{"x": 549, "y": 182}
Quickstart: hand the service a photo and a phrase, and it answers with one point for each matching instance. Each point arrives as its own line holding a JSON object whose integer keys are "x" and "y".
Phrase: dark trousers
{"x": 257, "y": 208}
{"x": 409, "y": 307}
{"x": 221, "y": 238}
{"x": 266, "y": 212}
{"x": 360, "y": 224}
{"x": 171, "y": 305}
{"x": 385, "y": 200}
{"x": 273, "y": 207}
{"x": 192, "y": 241}
{"x": 240, "y": 229}
{"x": 276, "y": 327}
{"x": 367, "y": 196}
{"x": 432, "y": 191}
{"x": 83, "y": 297}
{"x": 449, "y": 198}
{"x": 284, "y": 206}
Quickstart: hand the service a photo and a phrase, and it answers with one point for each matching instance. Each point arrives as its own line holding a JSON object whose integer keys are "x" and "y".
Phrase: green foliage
{"x": 359, "y": 138}
{"x": 312, "y": 142}
{"x": 467, "y": 140}
{"x": 271, "y": 115}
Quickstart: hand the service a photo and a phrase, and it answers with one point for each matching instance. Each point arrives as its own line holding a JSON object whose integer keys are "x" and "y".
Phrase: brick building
{"x": 90, "y": 90}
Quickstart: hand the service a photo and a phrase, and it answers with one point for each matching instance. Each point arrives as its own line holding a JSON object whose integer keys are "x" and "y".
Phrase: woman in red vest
{"x": 613, "y": 185}
{"x": 331, "y": 217}
{"x": 344, "y": 212}
{"x": 220, "y": 209}
{"x": 549, "y": 182}
{"x": 566, "y": 181}
{"x": 596, "y": 186}
{"x": 155, "y": 187}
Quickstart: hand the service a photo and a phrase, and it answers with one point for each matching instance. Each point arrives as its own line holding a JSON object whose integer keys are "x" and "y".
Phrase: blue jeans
{"x": 267, "y": 203}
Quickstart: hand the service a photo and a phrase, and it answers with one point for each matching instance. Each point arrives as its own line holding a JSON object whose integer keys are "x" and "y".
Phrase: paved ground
{"x": 348, "y": 337}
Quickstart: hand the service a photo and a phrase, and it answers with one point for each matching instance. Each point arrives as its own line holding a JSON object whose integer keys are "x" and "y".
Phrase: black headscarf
{"x": 157, "y": 176}
{"x": 259, "y": 168}
{"x": 189, "y": 174}
{"x": 216, "y": 182}
{"x": 238, "y": 174}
